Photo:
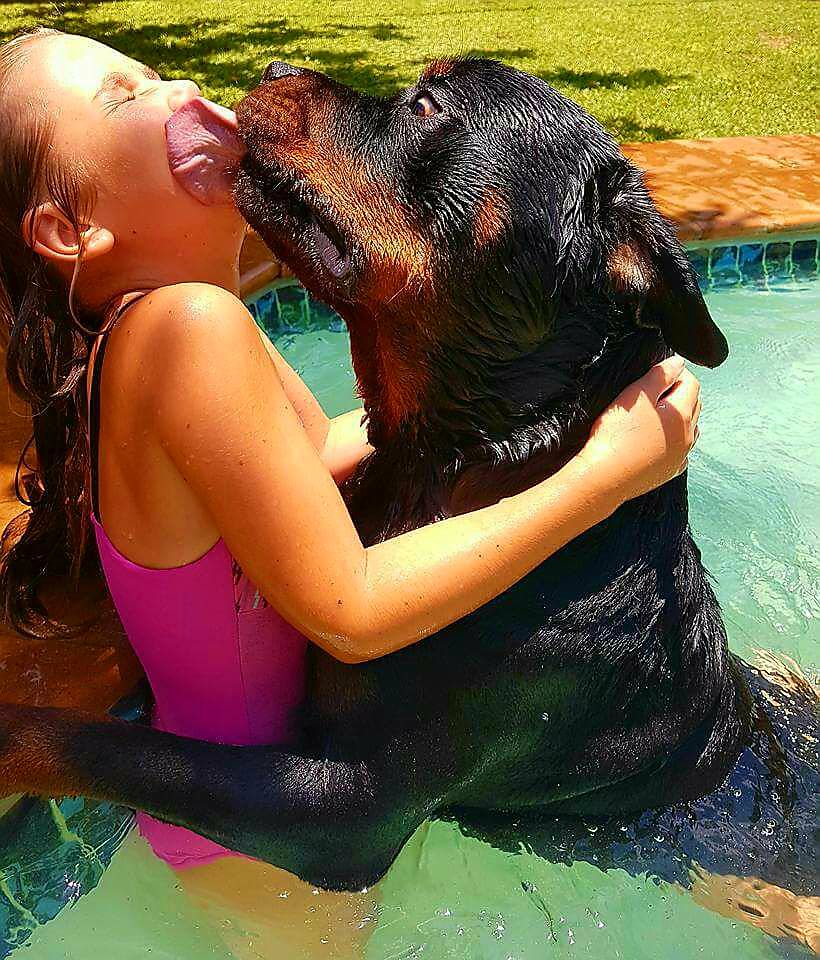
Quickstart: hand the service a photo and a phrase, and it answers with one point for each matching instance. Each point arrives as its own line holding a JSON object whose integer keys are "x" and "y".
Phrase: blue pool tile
{"x": 699, "y": 258}
{"x": 750, "y": 263}
{"x": 293, "y": 312}
{"x": 266, "y": 311}
{"x": 265, "y": 303}
{"x": 804, "y": 259}
{"x": 324, "y": 318}
{"x": 778, "y": 263}
{"x": 723, "y": 268}
{"x": 287, "y": 309}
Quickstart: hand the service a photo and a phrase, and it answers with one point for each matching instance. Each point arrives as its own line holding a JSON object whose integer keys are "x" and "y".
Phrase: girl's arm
{"x": 229, "y": 425}
{"x": 342, "y": 441}
{"x": 346, "y": 444}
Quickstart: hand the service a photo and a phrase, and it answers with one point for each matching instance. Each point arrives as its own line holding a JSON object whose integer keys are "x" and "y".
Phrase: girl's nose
{"x": 181, "y": 92}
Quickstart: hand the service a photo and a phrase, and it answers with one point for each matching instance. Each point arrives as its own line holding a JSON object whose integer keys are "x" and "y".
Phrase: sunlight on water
{"x": 756, "y": 514}
{"x": 755, "y": 478}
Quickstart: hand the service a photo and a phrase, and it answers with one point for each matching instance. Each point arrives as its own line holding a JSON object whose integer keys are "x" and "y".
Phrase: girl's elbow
{"x": 346, "y": 650}
{"x": 350, "y": 655}
{"x": 347, "y": 643}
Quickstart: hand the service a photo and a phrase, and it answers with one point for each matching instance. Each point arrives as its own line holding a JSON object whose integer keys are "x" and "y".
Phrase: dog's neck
{"x": 486, "y": 428}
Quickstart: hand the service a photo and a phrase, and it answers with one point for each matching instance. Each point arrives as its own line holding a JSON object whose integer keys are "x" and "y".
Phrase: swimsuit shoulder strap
{"x": 94, "y": 371}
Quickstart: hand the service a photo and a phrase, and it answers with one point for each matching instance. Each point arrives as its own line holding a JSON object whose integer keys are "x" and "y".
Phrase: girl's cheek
{"x": 147, "y": 148}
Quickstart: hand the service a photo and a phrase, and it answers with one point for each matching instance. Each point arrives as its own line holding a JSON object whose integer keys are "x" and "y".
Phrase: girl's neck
{"x": 103, "y": 283}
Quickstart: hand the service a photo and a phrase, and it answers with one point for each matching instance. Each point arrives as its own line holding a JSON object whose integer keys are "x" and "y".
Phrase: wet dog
{"x": 503, "y": 274}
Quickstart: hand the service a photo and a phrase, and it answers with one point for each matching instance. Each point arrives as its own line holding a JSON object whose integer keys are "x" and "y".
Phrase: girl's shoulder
{"x": 182, "y": 320}
{"x": 190, "y": 343}
{"x": 190, "y": 303}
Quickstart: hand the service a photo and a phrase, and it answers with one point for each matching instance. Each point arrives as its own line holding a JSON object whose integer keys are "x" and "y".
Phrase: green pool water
{"x": 755, "y": 508}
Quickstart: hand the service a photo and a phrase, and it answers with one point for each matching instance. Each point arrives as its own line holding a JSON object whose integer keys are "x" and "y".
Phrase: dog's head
{"x": 483, "y": 237}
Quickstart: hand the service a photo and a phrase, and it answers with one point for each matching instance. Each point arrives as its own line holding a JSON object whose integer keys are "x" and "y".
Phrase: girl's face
{"x": 109, "y": 114}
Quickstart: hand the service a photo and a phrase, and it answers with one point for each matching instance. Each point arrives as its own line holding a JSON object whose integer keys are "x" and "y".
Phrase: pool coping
{"x": 734, "y": 188}
{"x": 741, "y": 189}
{"x": 727, "y": 190}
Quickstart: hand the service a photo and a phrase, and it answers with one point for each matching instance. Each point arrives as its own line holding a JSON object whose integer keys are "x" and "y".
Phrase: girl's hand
{"x": 643, "y": 439}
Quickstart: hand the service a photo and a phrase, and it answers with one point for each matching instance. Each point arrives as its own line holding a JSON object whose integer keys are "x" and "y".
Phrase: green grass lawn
{"x": 648, "y": 69}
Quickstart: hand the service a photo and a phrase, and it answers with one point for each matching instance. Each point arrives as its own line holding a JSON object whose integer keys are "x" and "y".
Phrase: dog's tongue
{"x": 204, "y": 149}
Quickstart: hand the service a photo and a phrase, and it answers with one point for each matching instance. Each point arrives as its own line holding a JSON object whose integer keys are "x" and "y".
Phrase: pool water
{"x": 755, "y": 509}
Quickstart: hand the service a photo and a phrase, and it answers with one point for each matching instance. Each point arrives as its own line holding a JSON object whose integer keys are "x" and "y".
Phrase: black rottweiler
{"x": 504, "y": 274}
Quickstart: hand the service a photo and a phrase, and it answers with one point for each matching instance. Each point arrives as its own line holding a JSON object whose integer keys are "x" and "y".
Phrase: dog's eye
{"x": 425, "y": 106}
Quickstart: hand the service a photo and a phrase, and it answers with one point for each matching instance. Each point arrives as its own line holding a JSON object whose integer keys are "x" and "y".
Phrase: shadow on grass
{"x": 510, "y": 55}
{"x": 378, "y": 31}
{"x": 595, "y": 80}
{"x": 221, "y": 56}
{"x": 216, "y": 54}
{"x": 627, "y": 129}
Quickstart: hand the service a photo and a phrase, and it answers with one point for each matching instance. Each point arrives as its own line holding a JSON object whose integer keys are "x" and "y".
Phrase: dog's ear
{"x": 645, "y": 262}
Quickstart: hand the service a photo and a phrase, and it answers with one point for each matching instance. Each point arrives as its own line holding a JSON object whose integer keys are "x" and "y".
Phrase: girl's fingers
{"x": 663, "y": 375}
{"x": 683, "y": 395}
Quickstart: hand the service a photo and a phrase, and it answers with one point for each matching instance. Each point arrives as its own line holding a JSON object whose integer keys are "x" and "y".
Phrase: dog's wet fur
{"x": 504, "y": 275}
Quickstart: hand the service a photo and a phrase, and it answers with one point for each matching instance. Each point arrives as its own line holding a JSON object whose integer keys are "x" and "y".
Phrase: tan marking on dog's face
{"x": 438, "y": 68}
{"x": 275, "y": 114}
{"x": 629, "y": 271}
{"x": 392, "y": 285}
{"x": 398, "y": 258}
{"x": 290, "y": 124}
{"x": 491, "y": 219}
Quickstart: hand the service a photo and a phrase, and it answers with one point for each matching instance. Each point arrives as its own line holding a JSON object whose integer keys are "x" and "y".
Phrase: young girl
{"x": 206, "y": 469}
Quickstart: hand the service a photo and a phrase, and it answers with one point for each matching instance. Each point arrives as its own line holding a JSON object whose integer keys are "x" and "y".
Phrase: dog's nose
{"x": 278, "y": 69}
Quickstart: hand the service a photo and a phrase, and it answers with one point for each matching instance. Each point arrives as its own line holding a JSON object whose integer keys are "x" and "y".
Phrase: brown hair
{"x": 46, "y": 360}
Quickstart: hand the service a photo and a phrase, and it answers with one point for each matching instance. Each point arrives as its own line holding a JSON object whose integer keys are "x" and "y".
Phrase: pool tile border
{"x": 777, "y": 264}
{"x": 284, "y": 307}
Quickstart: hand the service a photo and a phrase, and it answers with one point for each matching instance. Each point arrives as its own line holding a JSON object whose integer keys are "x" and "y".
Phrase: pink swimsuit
{"x": 222, "y": 664}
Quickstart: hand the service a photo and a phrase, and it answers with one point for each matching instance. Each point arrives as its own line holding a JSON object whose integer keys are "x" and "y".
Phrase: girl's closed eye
{"x": 113, "y": 103}
{"x": 116, "y": 89}
{"x": 119, "y": 89}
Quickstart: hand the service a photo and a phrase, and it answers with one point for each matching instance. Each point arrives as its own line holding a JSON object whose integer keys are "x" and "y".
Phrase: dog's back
{"x": 600, "y": 682}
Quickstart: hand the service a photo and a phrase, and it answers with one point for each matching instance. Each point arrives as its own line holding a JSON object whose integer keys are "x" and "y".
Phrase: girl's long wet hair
{"x": 47, "y": 350}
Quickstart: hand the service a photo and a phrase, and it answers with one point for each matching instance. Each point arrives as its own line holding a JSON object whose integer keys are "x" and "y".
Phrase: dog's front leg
{"x": 334, "y": 823}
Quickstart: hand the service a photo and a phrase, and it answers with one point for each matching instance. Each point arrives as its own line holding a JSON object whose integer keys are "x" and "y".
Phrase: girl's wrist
{"x": 603, "y": 493}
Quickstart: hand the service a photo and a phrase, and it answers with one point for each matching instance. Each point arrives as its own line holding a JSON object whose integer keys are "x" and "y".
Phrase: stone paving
{"x": 736, "y": 187}
{"x": 746, "y": 187}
